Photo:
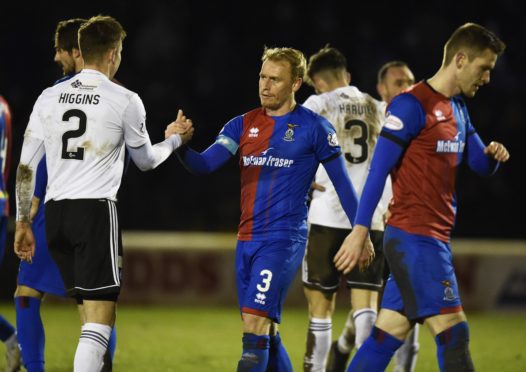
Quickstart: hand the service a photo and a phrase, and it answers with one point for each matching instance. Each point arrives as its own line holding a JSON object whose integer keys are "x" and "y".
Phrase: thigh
{"x": 272, "y": 269}
{"x": 423, "y": 271}
{"x": 319, "y": 271}
{"x": 372, "y": 278}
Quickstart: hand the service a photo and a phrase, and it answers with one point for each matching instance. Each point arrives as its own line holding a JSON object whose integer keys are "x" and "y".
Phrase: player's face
{"x": 396, "y": 80}
{"x": 276, "y": 87}
{"x": 65, "y": 60}
{"x": 476, "y": 73}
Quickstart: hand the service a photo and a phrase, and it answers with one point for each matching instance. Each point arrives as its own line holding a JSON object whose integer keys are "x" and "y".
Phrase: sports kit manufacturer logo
{"x": 260, "y": 298}
{"x": 253, "y": 132}
{"x": 439, "y": 115}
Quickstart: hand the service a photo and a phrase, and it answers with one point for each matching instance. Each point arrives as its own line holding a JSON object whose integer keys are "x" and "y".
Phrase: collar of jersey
{"x": 92, "y": 72}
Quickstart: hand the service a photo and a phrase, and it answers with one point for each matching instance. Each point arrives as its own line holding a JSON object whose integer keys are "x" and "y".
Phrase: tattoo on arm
{"x": 24, "y": 192}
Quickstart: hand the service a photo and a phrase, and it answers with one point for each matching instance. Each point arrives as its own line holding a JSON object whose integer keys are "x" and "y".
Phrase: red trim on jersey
{"x": 252, "y": 143}
{"x": 248, "y": 310}
{"x": 450, "y": 310}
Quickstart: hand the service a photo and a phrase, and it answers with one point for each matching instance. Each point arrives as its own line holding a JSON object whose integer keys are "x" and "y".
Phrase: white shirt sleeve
{"x": 148, "y": 157}
{"x": 134, "y": 123}
{"x": 315, "y": 103}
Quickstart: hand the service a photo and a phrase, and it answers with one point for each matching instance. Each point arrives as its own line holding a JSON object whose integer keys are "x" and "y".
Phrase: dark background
{"x": 205, "y": 58}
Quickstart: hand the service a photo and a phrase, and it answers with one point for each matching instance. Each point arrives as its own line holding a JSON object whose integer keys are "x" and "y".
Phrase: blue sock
{"x": 375, "y": 353}
{"x": 6, "y": 329}
{"x": 112, "y": 343}
{"x": 278, "y": 359}
{"x": 453, "y": 349}
{"x": 255, "y": 353}
{"x": 30, "y": 333}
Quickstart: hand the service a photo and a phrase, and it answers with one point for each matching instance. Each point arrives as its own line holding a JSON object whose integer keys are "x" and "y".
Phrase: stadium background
{"x": 204, "y": 57}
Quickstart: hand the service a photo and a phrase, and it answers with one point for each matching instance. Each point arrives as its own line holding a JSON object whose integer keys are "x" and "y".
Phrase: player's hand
{"x": 24, "y": 241}
{"x": 497, "y": 151}
{"x": 182, "y": 125}
{"x": 317, "y": 186}
{"x": 368, "y": 254}
{"x": 352, "y": 250}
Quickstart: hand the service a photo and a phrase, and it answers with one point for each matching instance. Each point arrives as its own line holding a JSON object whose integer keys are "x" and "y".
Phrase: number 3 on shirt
{"x": 267, "y": 277}
{"x": 78, "y": 154}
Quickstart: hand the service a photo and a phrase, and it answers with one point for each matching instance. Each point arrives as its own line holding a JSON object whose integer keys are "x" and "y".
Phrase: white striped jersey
{"x": 85, "y": 122}
{"x": 357, "y": 118}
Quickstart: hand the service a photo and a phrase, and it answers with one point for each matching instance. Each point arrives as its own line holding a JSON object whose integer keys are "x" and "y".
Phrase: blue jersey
{"x": 278, "y": 157}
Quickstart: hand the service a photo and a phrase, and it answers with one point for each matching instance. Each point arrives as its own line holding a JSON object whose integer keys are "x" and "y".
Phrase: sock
{"x": 31, "y": 336}
{"x": 405, "y": 357}
{"x": 363, "y": 323}
{"x": 278, "y": 359}
{"x": 319, "y": 338}
{"x": 93, "y": 343}
{"x": 453, "y": 349}
{"x": 375, "y": 353}
{"x": 346, "y": 339}
{"x": 255, "y": 353}
{"x": 6, "y": 329}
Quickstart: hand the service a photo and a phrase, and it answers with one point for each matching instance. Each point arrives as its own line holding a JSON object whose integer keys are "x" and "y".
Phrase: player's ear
{"x": 460, "y": 59}
{"x": 296, "y": 85}
{"x": 75, "y": 53}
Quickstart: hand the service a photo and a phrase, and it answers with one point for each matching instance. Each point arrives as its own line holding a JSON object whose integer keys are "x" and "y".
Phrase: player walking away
{"x": 426, "y": 135}
{"x": 82, "y": 124}
{"x": 8, "y": 334}
{"x": 280, "y": 146}
{"x": 357, "y": 118}
{"x": 42, "y": 276}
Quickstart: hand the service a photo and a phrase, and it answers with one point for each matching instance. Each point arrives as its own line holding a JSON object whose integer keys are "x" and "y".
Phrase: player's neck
{"x": 283, "y": 110}
{"x": 444, "y": 82}
{"x": 97, "y": 67}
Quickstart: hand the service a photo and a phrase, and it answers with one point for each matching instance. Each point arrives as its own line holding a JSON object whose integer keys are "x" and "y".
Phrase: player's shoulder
{"x": 309, "y": 118}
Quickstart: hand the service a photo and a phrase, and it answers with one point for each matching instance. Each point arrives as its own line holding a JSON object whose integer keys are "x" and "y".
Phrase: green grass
{"x": 209, "y": 339}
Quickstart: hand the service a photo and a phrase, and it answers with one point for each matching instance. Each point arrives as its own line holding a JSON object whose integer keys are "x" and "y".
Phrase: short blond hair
{"x": 298, "y": 63}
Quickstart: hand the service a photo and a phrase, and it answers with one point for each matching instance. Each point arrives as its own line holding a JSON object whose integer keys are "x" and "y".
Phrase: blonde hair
{"x": 298, "y": 63}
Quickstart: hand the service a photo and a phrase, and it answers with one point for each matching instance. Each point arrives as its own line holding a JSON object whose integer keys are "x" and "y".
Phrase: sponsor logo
{"x": 332, "y": 139}
{"x": 450, "y": 146}
{"x": 439, "y": 115}
{"x": 77, "y": 84}
{"x": 266, "y": 161}
{"x": 260, "y": 298}
{"x": 393, "y": 122}
{"x": 289, "y": 134}
{"x": 253, "y": 132}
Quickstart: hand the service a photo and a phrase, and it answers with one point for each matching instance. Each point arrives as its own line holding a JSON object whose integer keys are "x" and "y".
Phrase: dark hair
{"x": 383, "y": 70}
{"x": 98, "y": 35}
{"x": 475, "y": 39}
{"x": 326, "y": 59}
{"x": 66, "y": 34}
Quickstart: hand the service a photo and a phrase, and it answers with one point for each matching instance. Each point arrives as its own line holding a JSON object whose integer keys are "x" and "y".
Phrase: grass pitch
{"x": 209, "y": 339}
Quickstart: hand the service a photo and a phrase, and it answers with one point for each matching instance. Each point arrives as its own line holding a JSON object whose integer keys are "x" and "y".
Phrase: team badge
{"x": 449, "y": 295}
{"x": 289, "y": 134}
{"x": 332, "y": 139}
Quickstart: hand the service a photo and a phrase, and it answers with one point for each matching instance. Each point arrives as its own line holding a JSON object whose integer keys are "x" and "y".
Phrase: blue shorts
{"x": 3, "y": 235}
{"x": 264, "y": 272}
{"x": 43, "y": 274}
{"x": 422, "y": 281}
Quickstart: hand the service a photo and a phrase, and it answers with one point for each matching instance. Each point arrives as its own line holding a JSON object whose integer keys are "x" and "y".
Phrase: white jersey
{"x": 84, "y": 123}
{"x": 357, "y": 118}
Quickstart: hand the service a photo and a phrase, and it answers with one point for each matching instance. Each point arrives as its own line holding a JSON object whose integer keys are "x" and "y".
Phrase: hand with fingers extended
{"x": 497, "y": 151}
{"x": 24, "y": 241}
{"x": 357, "y": 249}
{"x": 182, "y": 126}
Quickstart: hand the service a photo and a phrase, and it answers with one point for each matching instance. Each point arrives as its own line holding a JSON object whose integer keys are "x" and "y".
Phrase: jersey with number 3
{"x": 357, "y": 118}
{"x": 85, "y": 122}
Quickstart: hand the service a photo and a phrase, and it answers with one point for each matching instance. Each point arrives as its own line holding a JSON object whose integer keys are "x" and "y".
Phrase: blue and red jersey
{"x": 278, "y": 157}
{"x": 433, "y": 134}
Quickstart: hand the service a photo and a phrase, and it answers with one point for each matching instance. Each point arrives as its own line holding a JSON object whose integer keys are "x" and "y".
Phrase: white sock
{"x": 318, "y": 344}
{"x": 406, "y": 354}
{"x": 363, "y": 323}
{"x": 92, "y": 345}
{"x": 346, "y": 339}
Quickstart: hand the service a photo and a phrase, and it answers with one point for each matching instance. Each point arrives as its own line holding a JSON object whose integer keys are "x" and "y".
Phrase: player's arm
{"x": 484, "y": 160}
{"x": 337, "y": 172}
{"x": 40, "y": 188}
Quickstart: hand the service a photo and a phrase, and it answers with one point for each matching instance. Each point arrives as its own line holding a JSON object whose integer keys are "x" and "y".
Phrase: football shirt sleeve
{"x": 134, "y": 123}
{"x": 314, "y": 103}
{"x": 326, "y": 146}
{"x": 342, "y": 183}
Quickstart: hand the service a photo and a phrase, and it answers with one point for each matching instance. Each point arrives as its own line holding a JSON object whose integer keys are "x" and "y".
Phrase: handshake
{"x": 181, "y": 126}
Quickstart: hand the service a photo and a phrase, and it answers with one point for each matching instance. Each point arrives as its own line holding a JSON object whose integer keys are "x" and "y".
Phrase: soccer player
{"x": 426, "y": 135}
{"x": 8, "y": 334}
{"x": 357, "y": 118}
{"x": 82, "y": 124}
{"x": 280, "y": 146}
{"x": 42, "y": 275}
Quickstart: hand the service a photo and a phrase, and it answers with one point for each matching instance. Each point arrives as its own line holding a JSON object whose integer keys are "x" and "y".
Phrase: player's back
{"x": 82, "y": 123}
{"x": 357, "y": 118}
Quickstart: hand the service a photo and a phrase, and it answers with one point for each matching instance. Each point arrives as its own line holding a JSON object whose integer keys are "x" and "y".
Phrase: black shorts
{"x": 319, "y": 271}
{"x": 84, "y": 239}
